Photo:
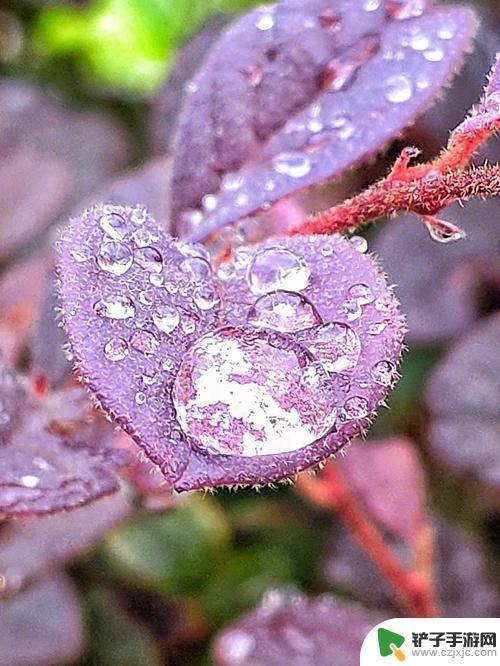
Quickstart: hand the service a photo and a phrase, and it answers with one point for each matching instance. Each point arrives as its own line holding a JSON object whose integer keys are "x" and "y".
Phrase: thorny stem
{"x": 413, "y": 588}
{"x": 390, "y": 195}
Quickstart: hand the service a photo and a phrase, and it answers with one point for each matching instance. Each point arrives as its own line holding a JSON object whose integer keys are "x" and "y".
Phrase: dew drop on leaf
{"x": 277, "y": 268}
{"x": 115, "y": 306}
{"x": 283, "y": 311}
{"x": 114, "y": 257}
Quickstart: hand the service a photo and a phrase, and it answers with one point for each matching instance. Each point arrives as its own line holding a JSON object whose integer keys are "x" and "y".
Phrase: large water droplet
{"x": 399, "y": 89}
{"x": 242, "y": 393}
{"x": 336, "y": 345}
{"x": 166, "y": 318}
{"x": 149, "y": 259}
{"x": 114, "y": 225}
{"x": 295, "y": 165}
{"x": 116, "y": 349}
{"x": 276, "y": 268}
{"x": 114, "y": 257}
{"x": 116, "y": 306}
{"x": 443, "y": 231}
{"x": 283, "y": 311}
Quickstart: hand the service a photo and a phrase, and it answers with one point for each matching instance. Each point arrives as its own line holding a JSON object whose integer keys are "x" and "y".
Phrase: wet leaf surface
{"x": 463, "y": 396}
{"x": 295, "y": 631}
{"x": 59, "y": 455}
{"x": 137, "y": 301}
{"x": 463, "y": 585}
{"x": 443, "y": 289}
{"x": 32, "y": 547}
{"x": 42, "y": 625}
{"x": 314, "y": 88}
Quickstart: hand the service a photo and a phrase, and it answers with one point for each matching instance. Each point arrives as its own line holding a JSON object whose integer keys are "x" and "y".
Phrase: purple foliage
{"x": 323, "y": 353}
{"x": 42, "y": 625}
{"x": 294, "y": 94}
{"x": 57, "y": 454}
{"x": 32, "y": 547}
{"x": 463, "y": 396}
{"x": 296, "y": 631}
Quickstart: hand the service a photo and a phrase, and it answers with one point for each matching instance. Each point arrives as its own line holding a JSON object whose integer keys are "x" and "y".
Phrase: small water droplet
{"x": 114, "y": 257}
{"x": 114, "y": 225}
{"x": 442, "y": 231}
{"x": 361, "y": 293}
{"x": 149, "y": 259}
{"x": 166, "y": 318}
{"x": 265, "y": 21}
{"x": 144, "y": 237}
{"x": 156, "y": 279}
{"x": 144, "y": 342}
{"x": 492, "y": 103}
{"x": 30, "y": 481}
{"x": 209, "y": 203}
{"x": 277, "y": 268}
{"x": 81, "y": 255}
{"x": 336, "y": 345}
{"x": 197, "y": 268}
{"x": 295, "y": 165}
{"x": 435, "y": 54}
{"x": 116, "y": 306}
{"x": 359, "y": 243}
{"x": 116, "y": 349}
{"x": 419, "y": 41}
{"x": 283, "y": 311}
{"x": 232, "y": 182}
{"x": 371, "y": 5}
{"x": 188, "y": 325}
{"x": 376, "y": 328}
{"x": 383, "y": 372}
{"x": 140, "y": 398}
{"x": 146, "y": 298}
{"x": 352, "y": 310}
{"x": 446, "y": 32}
{"x": 205, "y": 296}
{"x": 355, "y": 408}
{"x": 399, "y": 89}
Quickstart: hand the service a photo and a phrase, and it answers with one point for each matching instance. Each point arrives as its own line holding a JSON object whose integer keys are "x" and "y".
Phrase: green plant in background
{"x": 128, "y": 45}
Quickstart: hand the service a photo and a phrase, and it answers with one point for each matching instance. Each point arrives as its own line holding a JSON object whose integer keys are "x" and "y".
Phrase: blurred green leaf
{"x": 125, "y": 44}
{"x": 173, "y": 553}
{"x": 116, "y": 637}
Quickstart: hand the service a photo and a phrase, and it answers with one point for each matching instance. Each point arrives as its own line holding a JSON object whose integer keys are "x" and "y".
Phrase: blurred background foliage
{"x": 158, "y": 587}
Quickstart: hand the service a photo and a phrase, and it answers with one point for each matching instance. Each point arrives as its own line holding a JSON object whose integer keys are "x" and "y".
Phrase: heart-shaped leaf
{"x": 56, "y": 454}
{"x": 245, "y": 377}
{"x": 295, "y": 93}
{"x": 296, "y": 630}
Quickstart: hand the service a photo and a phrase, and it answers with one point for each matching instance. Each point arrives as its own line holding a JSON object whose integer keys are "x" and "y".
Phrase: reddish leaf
{"x": 294, "y": 94}
{"x": 463, "y": 396}
{"x": 41, "y": 626}
{"x": 31, "y": 547}
{"x": 388, "y": 480}
{"x": 58, "y": 456}
{"x": 296, "y": 631}
{"x": 463, "y": 587}
{"x": 149, "y": 307}
{"x": 442, "y": 290}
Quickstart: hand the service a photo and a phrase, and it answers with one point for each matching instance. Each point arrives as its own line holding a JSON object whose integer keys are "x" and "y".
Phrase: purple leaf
{"x": 42, "y": 626}
{"x": 443, "y": 290}
{"x": 294, "y": 94}
{"x": 58, "y": 456}
{"x": 32, "y": 547}
{"x": 296, "y": 631}
{"x": 463, "y": 396}
{"x": 144, "y": 318}
{"x": 388, "y": 480}
{"x": 43, "y": 172}
{"x": 463, "y": 587}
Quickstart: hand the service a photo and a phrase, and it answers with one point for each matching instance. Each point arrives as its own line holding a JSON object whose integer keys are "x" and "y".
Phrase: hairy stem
{"x": 414, "y": 589}
{"x": 425, "y": 196}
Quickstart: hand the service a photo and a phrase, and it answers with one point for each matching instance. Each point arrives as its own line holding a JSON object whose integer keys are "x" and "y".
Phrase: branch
{"x": 425, "y": 197}
{"x": 414, "y": 588}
